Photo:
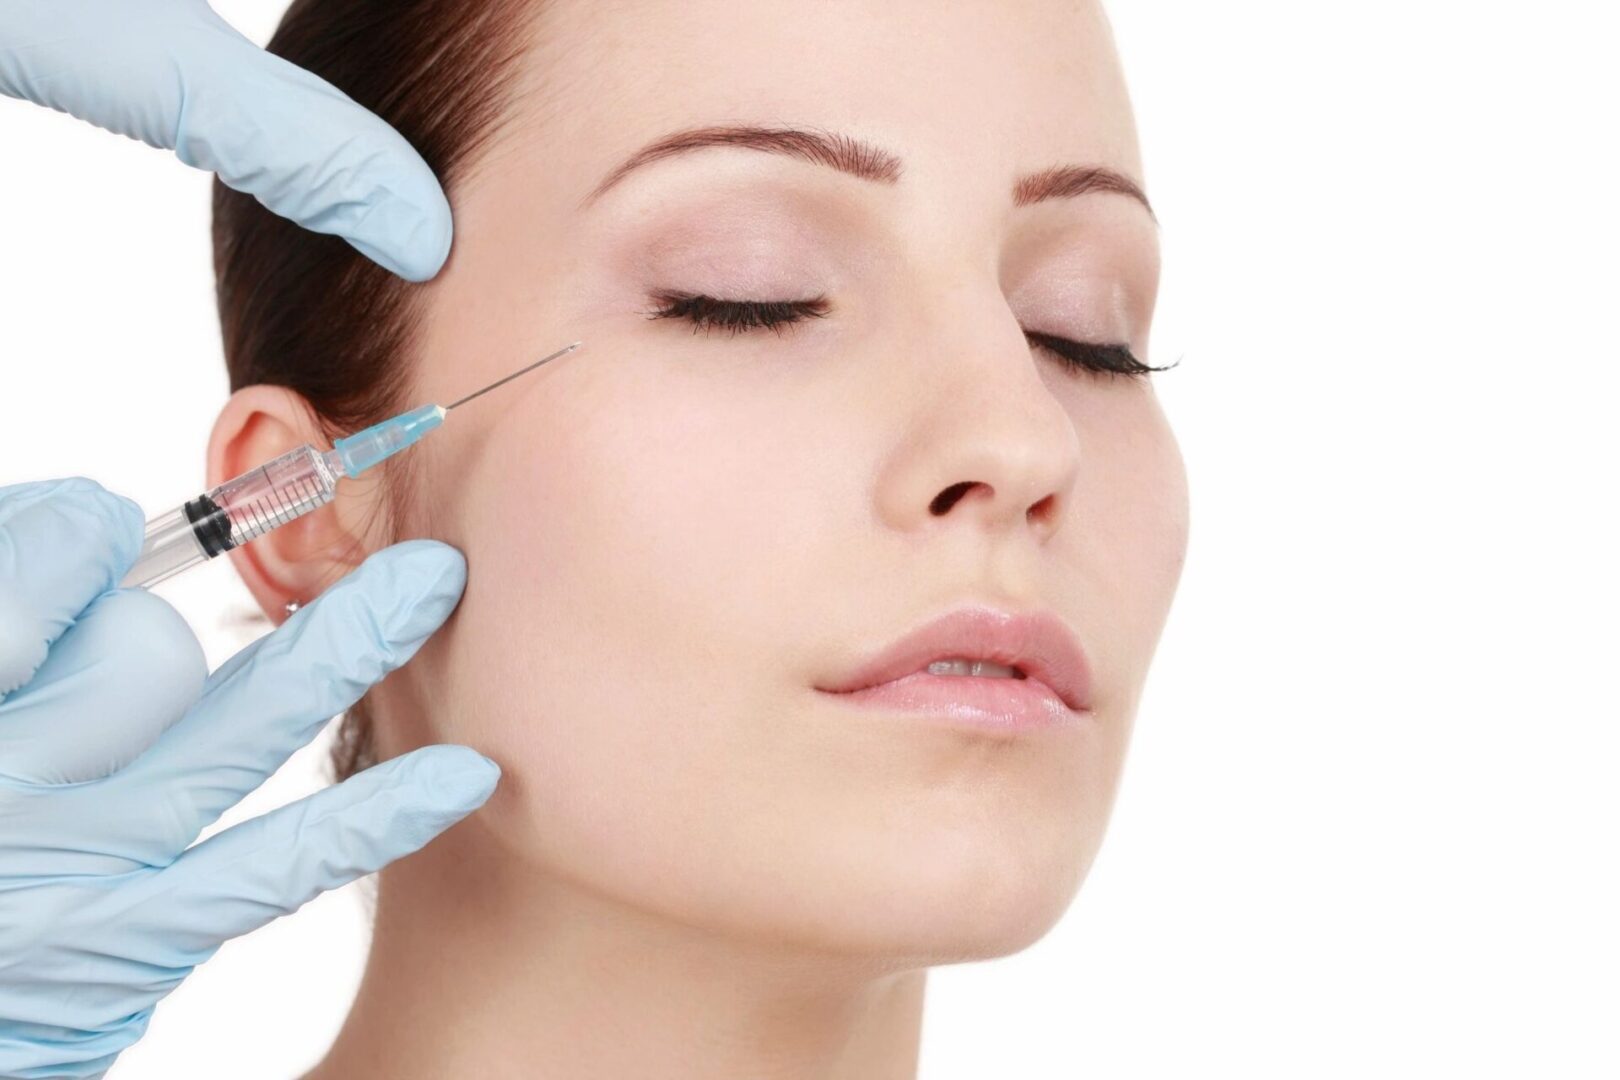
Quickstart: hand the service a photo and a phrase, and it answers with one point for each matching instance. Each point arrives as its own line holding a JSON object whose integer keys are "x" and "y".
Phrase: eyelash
{"x": 737, "y": 316}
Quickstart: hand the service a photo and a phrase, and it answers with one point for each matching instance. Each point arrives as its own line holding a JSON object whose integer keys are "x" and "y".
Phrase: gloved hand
{"x": 115, "y": 752}
{"x": 173, "y": 74}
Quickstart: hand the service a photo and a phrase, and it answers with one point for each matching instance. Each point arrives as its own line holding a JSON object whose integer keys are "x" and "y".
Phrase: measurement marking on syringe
{"x": 283, "y": 509}
{"x": 276, "y": 506}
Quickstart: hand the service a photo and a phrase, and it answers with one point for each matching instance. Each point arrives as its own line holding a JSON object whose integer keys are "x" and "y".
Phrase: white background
{"x": 1369, "y": 822}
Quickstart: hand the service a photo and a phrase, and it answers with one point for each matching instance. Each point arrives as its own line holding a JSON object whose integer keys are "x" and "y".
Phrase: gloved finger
{"x": 238, "y": 880}
{"x": 148, "y": 929}
{"x": 275, "y": 696}
{"x": 125, "y": 671}
{"x": 175, "y": 75}
{"x": 62, "y": 544}
{"x": 76, "y": 1055}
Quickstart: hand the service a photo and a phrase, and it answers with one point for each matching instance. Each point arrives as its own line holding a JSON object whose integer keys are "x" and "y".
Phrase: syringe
{"x": 282, "y": 490}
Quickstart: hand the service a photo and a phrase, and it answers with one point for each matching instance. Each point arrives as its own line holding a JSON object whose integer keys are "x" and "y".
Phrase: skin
{"x": 695, "y": 863}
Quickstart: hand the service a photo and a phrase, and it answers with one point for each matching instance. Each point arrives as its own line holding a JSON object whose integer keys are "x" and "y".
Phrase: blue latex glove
{"x": 173, "y": 74}
{"x": 118, "y": 749}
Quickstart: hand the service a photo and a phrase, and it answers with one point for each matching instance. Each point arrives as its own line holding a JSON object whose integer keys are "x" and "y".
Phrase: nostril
{"x": 949, "y": 497}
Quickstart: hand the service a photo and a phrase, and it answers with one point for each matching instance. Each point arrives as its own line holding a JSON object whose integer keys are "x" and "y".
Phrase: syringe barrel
{"x": 235, "y": 513}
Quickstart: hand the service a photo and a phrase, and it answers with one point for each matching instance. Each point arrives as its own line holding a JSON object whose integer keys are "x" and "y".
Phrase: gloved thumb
{"x": 174, "y": 75}
{"x": 62, "y": 544}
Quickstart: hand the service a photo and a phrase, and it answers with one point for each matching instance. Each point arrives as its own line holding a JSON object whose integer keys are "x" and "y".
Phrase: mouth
{"x": 1000, "y": 704}
{"x": 978, "y": 657}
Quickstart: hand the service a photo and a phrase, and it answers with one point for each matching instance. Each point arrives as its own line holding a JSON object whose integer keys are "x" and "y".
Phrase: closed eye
{"x": 738, "y": 316}
{"x": 707, "y": 312}
{"x": 1094, "y": 356}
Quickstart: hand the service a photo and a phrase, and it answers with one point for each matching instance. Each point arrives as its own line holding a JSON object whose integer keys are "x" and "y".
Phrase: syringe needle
{"x": 515, "y": 374}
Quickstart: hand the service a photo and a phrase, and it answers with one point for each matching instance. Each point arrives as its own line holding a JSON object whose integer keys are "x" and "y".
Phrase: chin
{"x": 943, "y": 900}
{"x": 985, "y": 908}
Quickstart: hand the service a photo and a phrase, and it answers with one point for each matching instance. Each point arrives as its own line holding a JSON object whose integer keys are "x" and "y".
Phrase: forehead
{"x": 1008, "y": 84}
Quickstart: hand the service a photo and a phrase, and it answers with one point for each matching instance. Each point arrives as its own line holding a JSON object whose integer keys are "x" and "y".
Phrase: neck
{"x": 479, "y": 967}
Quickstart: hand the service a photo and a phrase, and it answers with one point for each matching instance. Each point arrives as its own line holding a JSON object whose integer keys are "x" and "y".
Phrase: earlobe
{"x": 298, "y": 560}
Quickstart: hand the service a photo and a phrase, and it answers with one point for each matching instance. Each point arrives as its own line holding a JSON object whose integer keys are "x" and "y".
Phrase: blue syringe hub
{"x": 362, "y": 450}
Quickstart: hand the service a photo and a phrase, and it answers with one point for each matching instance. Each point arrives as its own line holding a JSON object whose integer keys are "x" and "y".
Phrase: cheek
{"x": 1130, "y": 530}
{"x": 621, "y": 610}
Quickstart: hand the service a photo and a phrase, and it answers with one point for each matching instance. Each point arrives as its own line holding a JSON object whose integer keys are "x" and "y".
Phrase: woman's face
{"x": 675, "y": 535}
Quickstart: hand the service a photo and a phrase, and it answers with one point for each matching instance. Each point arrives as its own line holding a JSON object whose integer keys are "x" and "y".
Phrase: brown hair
{"x": 308, "y": 312}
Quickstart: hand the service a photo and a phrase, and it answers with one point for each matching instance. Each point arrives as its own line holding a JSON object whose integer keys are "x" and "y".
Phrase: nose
{"x": 986, "y": 438}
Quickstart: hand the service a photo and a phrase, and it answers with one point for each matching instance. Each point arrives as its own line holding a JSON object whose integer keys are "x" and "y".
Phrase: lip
{"x": 1041, "y": 645}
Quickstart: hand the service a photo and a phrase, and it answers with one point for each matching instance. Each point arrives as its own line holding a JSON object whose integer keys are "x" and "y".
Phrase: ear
{"x": 300, "y": 559}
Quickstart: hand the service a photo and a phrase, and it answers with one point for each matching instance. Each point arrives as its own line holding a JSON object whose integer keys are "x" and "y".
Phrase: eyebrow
{"x": 863, "y": 160}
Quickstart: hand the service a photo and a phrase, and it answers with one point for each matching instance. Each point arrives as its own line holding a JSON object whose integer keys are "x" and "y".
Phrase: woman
{"x": 865, "y": 299}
